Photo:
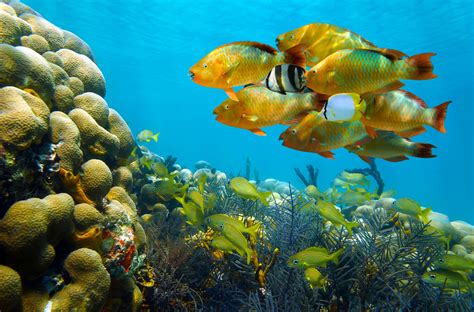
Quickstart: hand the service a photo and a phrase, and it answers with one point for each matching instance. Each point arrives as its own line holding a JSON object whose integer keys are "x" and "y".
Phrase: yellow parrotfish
{"x": 329, "y": 212}
{"x": 221, "y": 243}
{"x": 364, "y": 71}
{"x": 391, "y": 147}
{"x": 314, "y": 256}
{"x": 402, "y": 112}
{"x": 344, "y": 107}
{"x": 321, "y": 40}
{"x": 410, "y": 207}
{"x": 147, "y": 136}
{"x": 314, "y": 278}
{"x": 455, "y": 263}
{"x": 237, "y": 239}
{"x": 241, "y": 63}
{"x": 245, "y": 189}
{"x": 448, "y": 279}
{"x": 317, "y": 135}
{"x": 218, "y": 221}
{"x": 259, "y": 107}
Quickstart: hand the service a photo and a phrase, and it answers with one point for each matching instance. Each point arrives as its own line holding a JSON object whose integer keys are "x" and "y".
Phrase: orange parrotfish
{"x": 321, "y": 40}
{"x": 366, "y": 71}
{"x": 259, "y": 107}
{"x": 391, "y": 147}
{"x": 402, "y": 112}
{"x": 241, "y": 63}
{"x": 317, "y": 135}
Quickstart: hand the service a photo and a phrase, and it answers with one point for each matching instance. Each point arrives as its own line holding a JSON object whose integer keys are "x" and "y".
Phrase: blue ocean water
{"x": 145, "y": 49}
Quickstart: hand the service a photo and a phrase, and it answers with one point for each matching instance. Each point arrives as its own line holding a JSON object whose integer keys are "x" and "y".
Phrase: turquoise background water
{"x": 145, "y": 49}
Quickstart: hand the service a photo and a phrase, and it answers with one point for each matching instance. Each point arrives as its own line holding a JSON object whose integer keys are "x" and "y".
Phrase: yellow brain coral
{"x": 123, "y": 177}
{"x": 119, "y": 127}
{"x": 90, "y": 283}
{"x": 10, "y": 286}
{"x": 12, "y": 28}
{"x": 96, "y": 179}
{"x": 40, "y": 26}
{"x": 35, "y": 42}
{"x": 23, "y": 117}
{"x": 31, "y": 228}
{"x": 94, "y": 105}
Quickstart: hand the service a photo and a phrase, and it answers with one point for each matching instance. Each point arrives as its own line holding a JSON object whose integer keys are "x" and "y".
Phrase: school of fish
{"x": 333, "y": 88}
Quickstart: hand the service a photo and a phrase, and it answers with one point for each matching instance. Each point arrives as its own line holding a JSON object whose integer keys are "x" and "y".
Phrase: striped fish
{"x": 286, "y": 78}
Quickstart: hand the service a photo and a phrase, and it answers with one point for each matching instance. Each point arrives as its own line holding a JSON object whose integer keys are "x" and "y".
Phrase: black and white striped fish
{"x": 286, "y": 78}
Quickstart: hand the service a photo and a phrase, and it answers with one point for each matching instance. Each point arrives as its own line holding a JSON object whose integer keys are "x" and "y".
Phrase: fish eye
{"x": 433, "y": 277}
{"x": 292, "y": 37}
{"x": 221, "y": 226}
{"x": 296, "y": 261}
{"x": 204, "y": 65}
{"x": 314, "y": 71}
{"x": 226, "y": 106}
{"x": 293, "y": 131}
{"x": 441, "y": 261}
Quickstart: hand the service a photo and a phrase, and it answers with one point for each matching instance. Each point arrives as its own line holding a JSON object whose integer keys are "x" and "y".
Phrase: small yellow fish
{"x": 364, "y": 71}
{"x": 160, "y": 169}
{"x": 221, "y": 243}
{"x": 448, "y": 279}
{"x": 245, "y": 189}
{"x": 355, "y": 178}
{"x": 313, "y": 192}
{"x": 321, "y": 40}
{"x": 241, "y": 63}
{"x": 218, "y": 221}
{"x": 314, "y": 256}
{"x": 196, "y": 198}
{"x": 147, "y": 217}
{"x": 202, "y": 182}
{"x": 147, "y": 136}
{"x": 354, "y": 198}
{"x": 236, "y": 238}
{"x": 314, "y": 278}
{"x": 194, "y": 214}
{"x": 329, "y": 212}
{"x": 344, "y": 107}
{"x": 402, "y": 112}
{"x": 259, "y": 107}
{"x": 391, "y": 147}
{"x": 410, "y": 207}
{"x": 388, "y": 194}
{"x": 455, "y": 263}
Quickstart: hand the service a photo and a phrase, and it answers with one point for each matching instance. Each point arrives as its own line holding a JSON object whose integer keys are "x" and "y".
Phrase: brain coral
{"x": 12, "y": 28}
{"x": 82, "y": 67}
{"x": 35, "y": 42}
{"x": 96, "y": 179}
{"x": 10, "y": 284}
{"x": 119, "y": 128}
{"x": 31, "y": 228}
{"x": 40, "y": 26}
{"x": 94, "y": 105}
{"x": 23, "y": 117}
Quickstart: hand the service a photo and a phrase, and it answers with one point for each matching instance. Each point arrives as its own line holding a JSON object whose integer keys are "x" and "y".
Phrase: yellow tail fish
{"x": 321, "y": 40}
{"x": 402, "y": 112}
{"x": 329, "y": 212}
{"x": 245, "y": 189}
{"x": 259, "y": 107}
{"x": 241, "y": 63}
{"x": 364, "y": 71}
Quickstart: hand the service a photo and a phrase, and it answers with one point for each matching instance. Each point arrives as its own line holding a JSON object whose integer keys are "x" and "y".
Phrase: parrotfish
{"x": 364, "y": 71}
{"x": 245, "y": 189}
{"x": 314, "y": 256}
{"x": 241, "y": 63}
{"x": 402, "y": 112}
{"x": 391, "y": 147}
{"x": 259, "y": 107}
{"x": 321, "y": 40}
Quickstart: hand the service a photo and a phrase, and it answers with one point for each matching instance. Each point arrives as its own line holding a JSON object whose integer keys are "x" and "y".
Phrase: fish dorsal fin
{"x": 414, "y": 98}
{"x": 258, "y": 45}
{"x": 318, "y": 249}
{"x": 392, "y": 55}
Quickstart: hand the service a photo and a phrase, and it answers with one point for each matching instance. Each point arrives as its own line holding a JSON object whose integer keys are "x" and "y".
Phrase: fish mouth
{"x": 191, "y": 75}
{"x": 282, "y": 136}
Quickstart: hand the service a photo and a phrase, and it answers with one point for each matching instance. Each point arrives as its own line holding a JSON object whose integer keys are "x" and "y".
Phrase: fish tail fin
{"x": 424, "y": 215}
{"x": 155, "y": 137}
{"x": 252, "y": 231}
{"x": 295, "y": 56}
{"x": 420, "y": 67}
{"x": 249, "y": 253}
{"x": 350, "y": 225}
{"x": 263, "y": 197}
{"x": 440, "y": 116}
{"x": 423, "y": 150}
{"x": 335, "y": 256}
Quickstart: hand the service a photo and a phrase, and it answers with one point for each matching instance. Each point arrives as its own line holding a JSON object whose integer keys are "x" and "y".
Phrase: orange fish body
{"x": 402, "y": 112}
{"x": 240, "y": 63}
{"x": 391, "y": 147}
{"x": 324, "y": 135}
{"x": 259, "y": 107}
{"x": 364, "y": 71}
{"x": 321, "y": 40}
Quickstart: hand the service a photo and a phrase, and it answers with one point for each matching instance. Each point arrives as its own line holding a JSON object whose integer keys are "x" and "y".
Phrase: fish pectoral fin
{"x": 231, "y": 94}
{"x": 389, "y": 87}
{"x": 228, "y": 73}
{"x": 371, "y": 132}
{"x": 411, "y": 132}
{"x": 327, "y": 154}
{"x": 258, "y": 131}
{"x": 251, "y": 118}
{"x": 396, "y": 159}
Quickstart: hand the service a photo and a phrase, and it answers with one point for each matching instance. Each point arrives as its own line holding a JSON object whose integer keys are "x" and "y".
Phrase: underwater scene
{"x": 240, "y": 156}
